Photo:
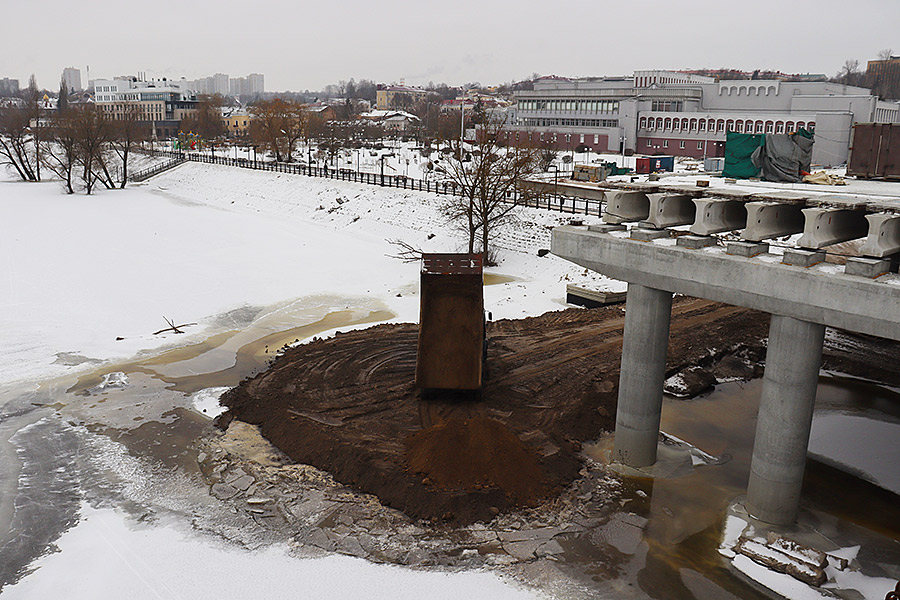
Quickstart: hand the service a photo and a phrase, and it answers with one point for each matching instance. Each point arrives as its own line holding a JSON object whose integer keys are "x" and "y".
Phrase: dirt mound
{"x": 465, "y": 455}
{"x": 347, "y": 405}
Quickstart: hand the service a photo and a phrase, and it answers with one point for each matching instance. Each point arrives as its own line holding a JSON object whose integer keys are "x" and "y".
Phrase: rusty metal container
{"x": 874, "y": 151}
{"x": 451, "y": 322}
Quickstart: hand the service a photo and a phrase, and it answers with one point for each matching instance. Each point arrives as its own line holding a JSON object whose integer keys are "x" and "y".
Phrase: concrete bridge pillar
{"x": 785, "y": 418}
{"x": 644, "y": 348}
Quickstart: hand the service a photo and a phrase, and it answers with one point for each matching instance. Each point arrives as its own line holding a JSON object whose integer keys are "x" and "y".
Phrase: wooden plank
{"x": 592, "y": 298}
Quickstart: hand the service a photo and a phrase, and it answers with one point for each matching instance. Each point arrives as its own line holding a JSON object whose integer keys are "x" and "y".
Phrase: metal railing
{"x": 517, "y": 196}
{"x": 157, "y": 169}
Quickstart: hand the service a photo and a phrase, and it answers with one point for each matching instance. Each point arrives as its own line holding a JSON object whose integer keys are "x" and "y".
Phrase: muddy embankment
{"x": 347, "y": 405}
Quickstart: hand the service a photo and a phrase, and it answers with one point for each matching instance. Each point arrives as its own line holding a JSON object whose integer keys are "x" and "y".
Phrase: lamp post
{"x": 381, "y": 158}
{"x": 555, "y": 181}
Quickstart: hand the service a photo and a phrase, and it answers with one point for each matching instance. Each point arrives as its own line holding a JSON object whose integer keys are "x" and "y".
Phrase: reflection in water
{"x": 192, "y": 368}
{"x": 496, "y": 278}
{"x": 685, "y": 513}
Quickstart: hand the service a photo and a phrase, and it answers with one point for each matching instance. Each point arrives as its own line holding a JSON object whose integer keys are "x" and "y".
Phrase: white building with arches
{"x": 663, "y": 112}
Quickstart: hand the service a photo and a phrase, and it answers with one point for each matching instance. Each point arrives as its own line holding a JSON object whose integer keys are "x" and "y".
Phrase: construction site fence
{"x": 520, "y": 196}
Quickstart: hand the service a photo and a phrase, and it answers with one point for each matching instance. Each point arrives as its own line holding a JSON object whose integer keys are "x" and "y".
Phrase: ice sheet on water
{"x": 206, "y": 402}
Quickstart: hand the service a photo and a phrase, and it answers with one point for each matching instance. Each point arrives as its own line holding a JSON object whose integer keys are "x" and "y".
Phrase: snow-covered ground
{"x": 88, "y": 279}
{"x": 105, "y": 556}
{"x": 200, "y": 240}
{"x": 838, "y": 437}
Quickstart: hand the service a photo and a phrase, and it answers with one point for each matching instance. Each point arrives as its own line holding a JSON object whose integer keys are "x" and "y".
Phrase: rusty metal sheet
{"x": 875, "y": 151}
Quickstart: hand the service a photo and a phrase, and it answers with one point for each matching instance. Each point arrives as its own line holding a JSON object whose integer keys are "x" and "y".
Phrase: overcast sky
{"x": 306, "y": 45}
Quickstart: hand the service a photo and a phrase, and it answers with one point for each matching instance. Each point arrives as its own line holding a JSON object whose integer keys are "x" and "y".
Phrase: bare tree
{"x": 885, "y": 54}
{"x": 278, "y": 125}
{"x": 487, "y": 177}
{"x": 60, "y": 153}
{"x": 128, "y": 131}
{"x": 850, "y": 73}
{"x": 33, "y": 100}
{"x": 206, "y": 121}
{"x": 16, "y": 140}
{"x": 93, "y": 132}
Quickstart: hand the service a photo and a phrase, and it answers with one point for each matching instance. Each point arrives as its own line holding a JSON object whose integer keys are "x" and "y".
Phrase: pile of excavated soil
{"x": 347, "y": 405}
{"x": 474, "y": 454}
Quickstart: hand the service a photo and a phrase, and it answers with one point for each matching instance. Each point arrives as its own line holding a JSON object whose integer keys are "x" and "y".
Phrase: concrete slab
{"x": 802, "y": 258}
{"x": 867, "y": 267}
{"x": 606, "y": 228}
{"x": 746, "y": 249}
{"x": 648, "y": 235}
{"x": 694, "y": 242}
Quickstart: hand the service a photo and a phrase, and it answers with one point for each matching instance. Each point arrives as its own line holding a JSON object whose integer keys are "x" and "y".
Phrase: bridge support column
{"x": 644, "y": 347}
{"x": 785, "y": 418}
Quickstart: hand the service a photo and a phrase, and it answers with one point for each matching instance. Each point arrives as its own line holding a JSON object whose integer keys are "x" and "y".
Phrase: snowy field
{"x": 196, "y": 244}
{"x": 200, "y": 240}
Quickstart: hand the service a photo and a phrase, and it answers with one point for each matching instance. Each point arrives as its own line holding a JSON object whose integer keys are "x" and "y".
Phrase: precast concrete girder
{"x": 670, "y": 210}
{"x": 884, "y": 235}
{"x": 826, "y": 226}
{"x": 623, "y": 206}
{"x": 771, "y": 219}
{"x": 715, "y": 215}
{"x": 645, "y": 343}
{"x": 785, "y": 418}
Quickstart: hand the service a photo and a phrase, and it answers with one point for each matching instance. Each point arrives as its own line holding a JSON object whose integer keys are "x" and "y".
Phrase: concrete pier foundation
{"x": 785, "y": 418}
{"x": 644, "y": 347}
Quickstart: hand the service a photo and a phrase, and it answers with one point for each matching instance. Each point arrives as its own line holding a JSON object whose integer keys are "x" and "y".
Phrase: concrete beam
{"x": 623, "y": 206}
{"x": 670, "y": 210}
{"x": 644, "y": 347}
{"x": 766, "y": 220}
{"x": 870, "y": 306}
{"x": 715, "y": 215}
{"x": 826, "y": 226}
{"x": 884, "y": 235}
{"x": 785, "y": 418}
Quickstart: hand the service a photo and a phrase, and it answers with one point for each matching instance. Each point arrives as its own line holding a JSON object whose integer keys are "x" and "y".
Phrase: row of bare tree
{"x": 488, "y": 176}
{"x": 83, "y": 145}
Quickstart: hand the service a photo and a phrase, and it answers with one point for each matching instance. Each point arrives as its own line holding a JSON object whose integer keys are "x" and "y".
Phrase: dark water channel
{"x": 685, "y": 507}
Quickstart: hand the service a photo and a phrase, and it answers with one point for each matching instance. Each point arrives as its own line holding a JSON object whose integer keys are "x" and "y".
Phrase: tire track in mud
{"x": 550, "y": 380}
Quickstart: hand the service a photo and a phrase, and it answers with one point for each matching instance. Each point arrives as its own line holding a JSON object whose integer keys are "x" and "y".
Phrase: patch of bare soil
{"x": 347, "y": 405}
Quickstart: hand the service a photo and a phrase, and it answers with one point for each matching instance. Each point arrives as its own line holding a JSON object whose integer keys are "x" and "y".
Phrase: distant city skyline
{"x": 311, "y": 46}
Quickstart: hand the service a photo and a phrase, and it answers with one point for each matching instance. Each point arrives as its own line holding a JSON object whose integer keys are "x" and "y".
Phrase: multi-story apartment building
{"x": 659, "y": 112}
{"x": 398, "y": 96}
{"x": 220, "y": 84}
{"x": 9, "y": 87}
{"x": 884, "y": 77}
{"x": 255, "y": 84}
{"x": 71, "y": 77}
{"x": 161, "y": 105}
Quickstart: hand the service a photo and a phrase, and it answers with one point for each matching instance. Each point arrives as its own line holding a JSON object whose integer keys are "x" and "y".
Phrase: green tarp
{"x": 773, "y": 157}
{"x": 615, "y": 169}
{"x": 739, "y": 149}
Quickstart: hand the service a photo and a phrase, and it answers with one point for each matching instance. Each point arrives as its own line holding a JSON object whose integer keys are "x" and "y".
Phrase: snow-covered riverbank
{"x": 87, "y": 280}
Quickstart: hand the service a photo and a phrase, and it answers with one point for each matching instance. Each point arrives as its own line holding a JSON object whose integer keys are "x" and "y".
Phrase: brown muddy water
{"x": 685, "y": 505}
